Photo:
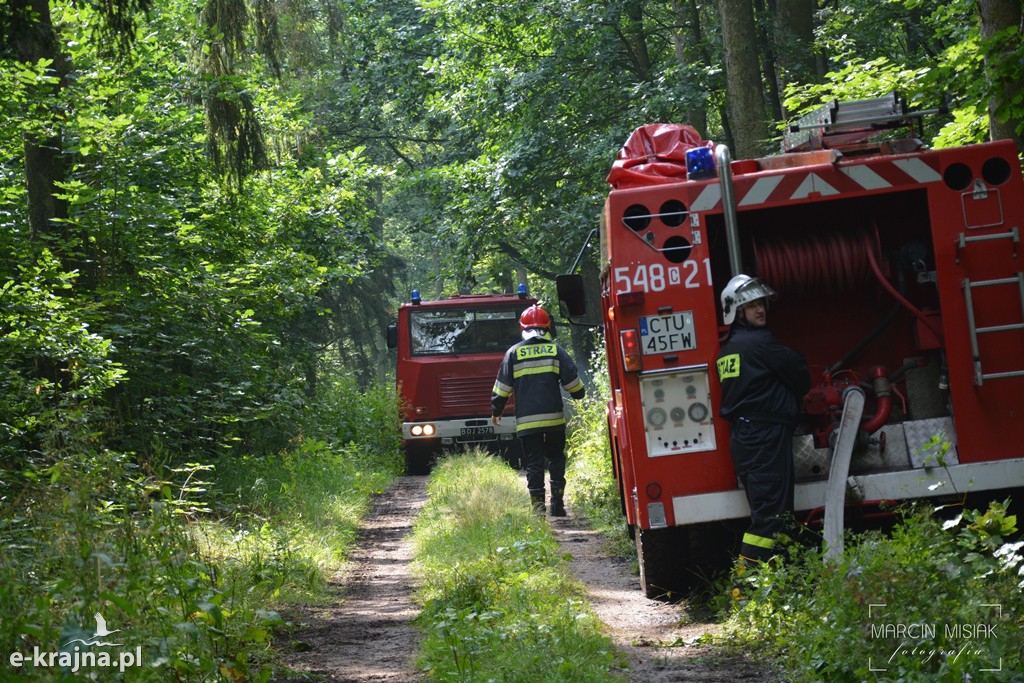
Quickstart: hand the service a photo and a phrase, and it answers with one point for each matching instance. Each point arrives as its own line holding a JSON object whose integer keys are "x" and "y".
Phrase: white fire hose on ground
{"x": 842, "y": 453}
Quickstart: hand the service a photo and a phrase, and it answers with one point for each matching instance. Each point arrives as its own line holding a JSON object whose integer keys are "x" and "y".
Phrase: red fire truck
{"x": 899, "y": 274}
{"x": 448, "y": 355}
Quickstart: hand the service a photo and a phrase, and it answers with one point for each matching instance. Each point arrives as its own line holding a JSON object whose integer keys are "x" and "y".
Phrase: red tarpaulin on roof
{"x": 654, "y": 154}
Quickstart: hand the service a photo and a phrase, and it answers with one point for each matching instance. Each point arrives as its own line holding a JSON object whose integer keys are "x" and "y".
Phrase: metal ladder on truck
{"x": 970, "y": 285}
{"x": 853, "y": 126}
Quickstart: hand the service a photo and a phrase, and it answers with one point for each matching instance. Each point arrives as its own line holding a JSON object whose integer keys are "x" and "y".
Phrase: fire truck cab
{"x": 448, "y": 353}
{"x": 900, "y": 277}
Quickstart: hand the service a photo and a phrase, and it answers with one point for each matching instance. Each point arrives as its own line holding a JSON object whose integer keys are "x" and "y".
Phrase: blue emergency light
{"x": 700, "y": 163}
{"x": 521, "y": 290}
{"x": 415, "y": 297}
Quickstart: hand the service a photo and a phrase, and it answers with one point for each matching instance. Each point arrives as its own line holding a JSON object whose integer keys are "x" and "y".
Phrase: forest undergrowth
{"x": 184, "y": 564}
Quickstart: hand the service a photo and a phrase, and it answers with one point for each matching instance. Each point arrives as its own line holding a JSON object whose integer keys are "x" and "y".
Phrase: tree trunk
{"x": 689, "y": 48}
{"x": 637, "y": 40}
{"x": 747, "y": 115}
{"x": 521, "y": 275}
{"x": 794, "y": 29}
{"x": 997, "y": 16}
{"x": 33, "y": 38}
{"x": 766, "y": 35}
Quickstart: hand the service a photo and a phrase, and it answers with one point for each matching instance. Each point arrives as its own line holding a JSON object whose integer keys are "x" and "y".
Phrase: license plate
{"x": 667, "y": 333}
{"x": 477, "y": 431}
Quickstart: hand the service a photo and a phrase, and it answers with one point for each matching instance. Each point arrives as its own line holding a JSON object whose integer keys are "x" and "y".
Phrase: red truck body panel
{"x": 842, "y": 239}
{"x": 448, "y": 353}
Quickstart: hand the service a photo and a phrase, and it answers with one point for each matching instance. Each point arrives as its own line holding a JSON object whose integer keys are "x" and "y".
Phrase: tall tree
{"x": 690, "y": 48}
{"x": 747, "y": 112}
{"x": 30, "y": 36}
{"x": 1003, "y": 28}
{"x": 794, "y": 37}
{"x": 234, "y": 138}
{"x": 764, "y": 21}
{"x": 27, "y": 33}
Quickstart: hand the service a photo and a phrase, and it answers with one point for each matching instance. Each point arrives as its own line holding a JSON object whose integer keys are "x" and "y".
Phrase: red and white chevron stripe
{"x": 796, "y": 184}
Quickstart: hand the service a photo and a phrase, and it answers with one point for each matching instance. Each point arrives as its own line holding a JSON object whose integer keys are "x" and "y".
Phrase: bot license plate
{"x": 667, "y": 333}
{"x": 477, "y": 431}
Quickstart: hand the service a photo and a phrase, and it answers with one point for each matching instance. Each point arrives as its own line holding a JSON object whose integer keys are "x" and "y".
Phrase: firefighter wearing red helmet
{"x": 763, "y": 384}
{"x": 536, "y": 370}
{"x": 534, "y": 318}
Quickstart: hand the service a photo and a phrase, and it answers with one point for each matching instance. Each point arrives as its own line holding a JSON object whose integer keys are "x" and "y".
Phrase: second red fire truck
{"x": 448, "y": 353}
{"x": 900, "y": 276}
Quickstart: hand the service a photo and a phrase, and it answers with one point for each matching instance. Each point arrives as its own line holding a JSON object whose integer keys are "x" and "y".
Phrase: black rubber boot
{"x": 538, "y": 502}
{"x": 557, "y": 505}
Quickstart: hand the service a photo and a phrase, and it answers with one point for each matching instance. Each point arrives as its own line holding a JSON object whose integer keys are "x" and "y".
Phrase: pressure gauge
{"x": 677, "y": 414}
{"x": 698, "y": 412}
{"x": 656, "y": 417}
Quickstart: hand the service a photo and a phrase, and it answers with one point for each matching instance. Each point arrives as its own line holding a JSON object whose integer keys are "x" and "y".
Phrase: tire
{"x": 511, "y": 452}
{"x": 662, "y": 556}
{"x": 419, "y": 459}
{"x": 677, "y": 560}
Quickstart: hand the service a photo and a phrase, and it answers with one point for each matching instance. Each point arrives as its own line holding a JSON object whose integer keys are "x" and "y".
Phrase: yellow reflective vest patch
{"x": 536, "y": 351}
{"x": 729, "y": 366}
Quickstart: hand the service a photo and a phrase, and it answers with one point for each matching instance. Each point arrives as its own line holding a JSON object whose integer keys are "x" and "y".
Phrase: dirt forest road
{"x": 368, "y": 634}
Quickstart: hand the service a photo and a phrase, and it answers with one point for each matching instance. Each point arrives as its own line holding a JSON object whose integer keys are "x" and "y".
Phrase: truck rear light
{"x": 653, "y": 490}
{"x": 630, "y": 350}
{"x": 629, "y": 299}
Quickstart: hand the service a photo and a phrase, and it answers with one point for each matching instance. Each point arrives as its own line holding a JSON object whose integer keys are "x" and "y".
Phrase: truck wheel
{"x": 419, "y": 459}
{"x": 663, "y": 556}
{"x": 512, "y": 453}
{"x": 712, "y": 548}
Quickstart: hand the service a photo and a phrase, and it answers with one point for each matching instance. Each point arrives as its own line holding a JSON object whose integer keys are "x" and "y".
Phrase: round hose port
{"x": 996, "y": 171}
{"x": 673, "y": 213}
{"x": 958, "y": 177}
{"x": 677, "y": 249}
{"x": 637, "y": 217}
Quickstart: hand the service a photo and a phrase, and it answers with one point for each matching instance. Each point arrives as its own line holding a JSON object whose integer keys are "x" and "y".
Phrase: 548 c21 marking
{"x": 655, "y": 277}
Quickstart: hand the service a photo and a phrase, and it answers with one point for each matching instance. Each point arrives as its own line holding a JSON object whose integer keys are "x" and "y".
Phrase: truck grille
{"x": 467, "y": 395}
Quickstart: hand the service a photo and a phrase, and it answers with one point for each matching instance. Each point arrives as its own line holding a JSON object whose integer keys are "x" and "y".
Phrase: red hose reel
{"x": 830, "y": 262}
{"x": 839, "y": 262}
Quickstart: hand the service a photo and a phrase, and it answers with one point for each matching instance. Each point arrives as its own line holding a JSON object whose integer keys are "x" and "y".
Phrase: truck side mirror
{"x": 571, "y": 294}
{"x": 392, "y": 335}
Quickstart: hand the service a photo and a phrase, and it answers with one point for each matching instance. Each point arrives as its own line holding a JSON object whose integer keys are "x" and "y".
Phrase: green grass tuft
{"x": 498, "y": 602}
{"x": 192, "y": 564}
{"x": 895, "y": 608}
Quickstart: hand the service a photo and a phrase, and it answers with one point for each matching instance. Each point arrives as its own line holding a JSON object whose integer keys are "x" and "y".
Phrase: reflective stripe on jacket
{"x": 536, "y": 370}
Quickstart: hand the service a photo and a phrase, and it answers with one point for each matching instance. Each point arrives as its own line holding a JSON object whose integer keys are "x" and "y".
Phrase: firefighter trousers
{"x": 762, "y": 453}
{"x": 540, "y": 448}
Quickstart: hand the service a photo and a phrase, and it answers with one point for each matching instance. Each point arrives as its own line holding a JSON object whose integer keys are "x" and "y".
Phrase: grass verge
{"x": 188, "y": 567}
{"x": 932, "y": 600}
{"x": 287, "y": 520}
{"x": 498, "y": 602}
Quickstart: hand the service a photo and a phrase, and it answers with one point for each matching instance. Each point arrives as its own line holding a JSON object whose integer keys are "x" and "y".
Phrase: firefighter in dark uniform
{"x": 763, "y": 385}
{"x": 536, "y": 369}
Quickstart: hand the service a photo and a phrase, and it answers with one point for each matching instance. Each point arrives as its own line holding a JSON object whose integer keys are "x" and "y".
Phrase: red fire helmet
{"x": 534, "y": 316}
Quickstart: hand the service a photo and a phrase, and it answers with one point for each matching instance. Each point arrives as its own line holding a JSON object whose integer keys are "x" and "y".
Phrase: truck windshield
{"x": 463, "y": 331}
